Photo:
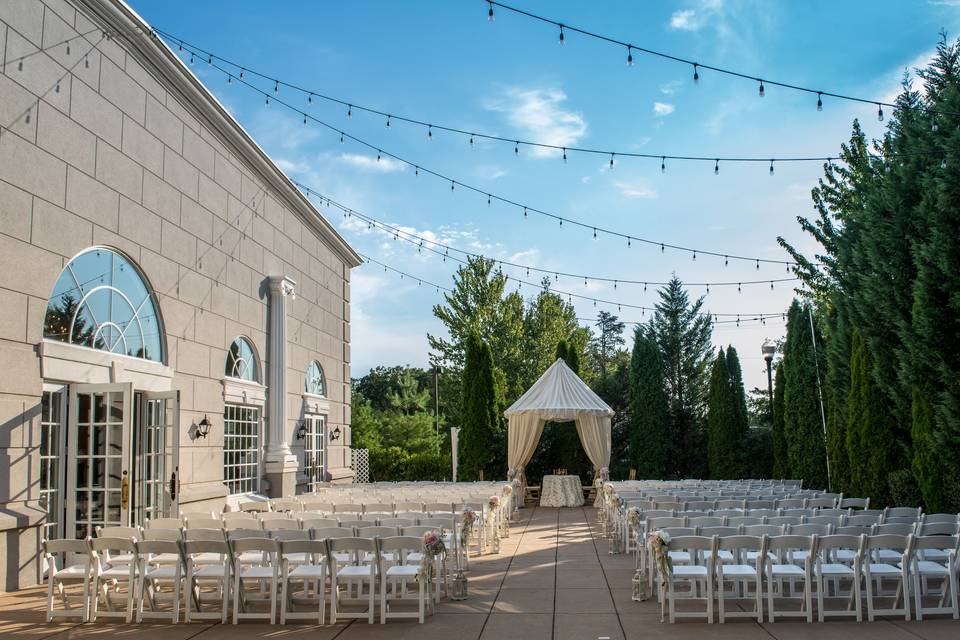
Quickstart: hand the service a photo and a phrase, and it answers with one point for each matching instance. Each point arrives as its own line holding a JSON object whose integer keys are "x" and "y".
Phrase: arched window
{"x": 102, "y": 301}
{"x": 316, "y": 383}
{"x": 242, "y": 361}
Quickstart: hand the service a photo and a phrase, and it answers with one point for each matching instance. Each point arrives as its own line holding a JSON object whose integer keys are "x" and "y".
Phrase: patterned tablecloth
{"x": 561, "y": 491}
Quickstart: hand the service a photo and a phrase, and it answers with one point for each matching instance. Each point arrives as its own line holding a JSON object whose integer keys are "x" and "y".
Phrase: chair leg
{"x": 383, "y": 600}
{"x": 770, "y": 608}
{"x": 917, "y": 601}
{"x": 370, "y": 600}
{"x": 807, "y": 599}
{"x": 273, "y": 597}
{"x": 758, "y": 596}
{"x": 709, "y": 590}
{"x": 720, "y": 599}
{"x": 868, "y": 580}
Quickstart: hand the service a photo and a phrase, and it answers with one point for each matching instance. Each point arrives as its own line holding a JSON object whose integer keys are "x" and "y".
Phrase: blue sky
{"x": 443, "y": 62}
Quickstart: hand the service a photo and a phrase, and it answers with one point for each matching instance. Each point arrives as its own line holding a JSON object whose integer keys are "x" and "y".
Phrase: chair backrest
{"x": 727, "y": 513}
{"x": 318, "y": 507}
{"x": 738, "y": 521}
{"x": 700, "y": 505}
{"x": 184, "y": 515}
{"x": 657, "y": 513}
{"x": 761, "y": 504}
{"x": 244, "y": 534}
{"x": 289, "y": 534}
{"x": 236, "y": 524}
{"x": 694, "y": 543}
{"x": 163, "y": 523}
{"x": 108, "y": 545}
{"x": 756, "y": 530}
{"x": 238, "y": 516}
{"x": 902, "y": 514}
{"x": 855, "y": 503}
{"x": 119, "y": 532}
{"x": 731, "y": 504}
{"x": 208, "y": 535}
{"x": 286, "y": 504}
{"x": 836, "y": 521}
{"x": 661, "y": 523}
{"x": 67, "y": 546}
{"x": 810, "y": 529}
{"x": 152, "y": 547}
{"x": 717, "y": 531}
{"x": 202, "y": 523}
{"x": 378, "y": 508}
{"x": 348, "y": 508}
{"x": 743, "y": 543}
{"x": 792, "y": 542}
{"x": 762, "y": 513}
{"x": 941, "y": 518}
{"x": 444, "y": 524}
{"x": 400, "y": 544}
{"x": 409, "y": 506}
{"x": 853, "y": 530}
{"x": 397, "y": 522}
{"x": 938, "y": 528}
{"x": 785, "y": 520}
{"x": 821, "y": 503}
{"x": 672, "y": 505}
{"x": 353, "y": 545}
{"x": 859, "y": 520}
{"x": 310, "y": 522}
{"x": 791, "y": 503}
{"x": 318, "y": 548}
{"x": 826, "y": 544}
{"x": 266, "y": 545}
{"x": 952, "y": 542}
{"x": 706, "y": 521}
{"x": 331, "y": 532}
{"x": 415, "y": 531}
{"x": 168, "y": 535}
{"x": 893, "y": 528}
{"x": 256, "y": 507}
{"x": 277, "y": 525}
{"x": 376, "y": 532}
{"x": 679, "y": 531}
{"x": 353, "y": 524}
{"x": 889, "y": 541}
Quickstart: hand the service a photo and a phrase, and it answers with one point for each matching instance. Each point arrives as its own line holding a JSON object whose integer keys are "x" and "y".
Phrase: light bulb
{"x": 388, "y": 121}
{"x": 611, "y": 161}
{"x": 564, "y": 155}
{"x": 819, "y": 102}
{"x": 229, "y": 79}
{"x": 663, "y": 164}
{"x": 310, "y": 99}
{"x": 696, "y": 75}
{"x": 761, "y": 89}
{"x": 349, "y": 110}
{"x": 490, "y": 13}
{"x": 880, "y": 112}
{"x": 629, "y": 56}
{"x": 943, "y": 163}
{"x": 516, "y": 148}
{"x": 561, "y": 34}
{"x": 68, "y": 48}
{"x": 933, "y": 125}
{"x": 716, "y": 167}
{"x": 430, "y": 131}
{"x": 771, "y": 167}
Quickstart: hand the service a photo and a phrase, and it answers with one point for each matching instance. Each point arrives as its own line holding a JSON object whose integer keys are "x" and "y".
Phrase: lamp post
{"x": 437, "y": 370}
{"x": 769, "y": 349}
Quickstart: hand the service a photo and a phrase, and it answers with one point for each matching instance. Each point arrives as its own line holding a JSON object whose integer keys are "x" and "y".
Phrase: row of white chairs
{"x": 782, "y": 569}
{"x": 293, "y": 505}
{"x": 749, "y": 503}
{"x": 212, "y": 570}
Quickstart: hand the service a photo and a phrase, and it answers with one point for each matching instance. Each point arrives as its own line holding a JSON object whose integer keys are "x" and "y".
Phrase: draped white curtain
{"x": 595, "y": 435}
{"x": 523, "y": 435}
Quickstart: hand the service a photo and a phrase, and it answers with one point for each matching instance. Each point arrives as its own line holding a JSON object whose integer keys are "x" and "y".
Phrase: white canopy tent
{"x": 559, "y": 395}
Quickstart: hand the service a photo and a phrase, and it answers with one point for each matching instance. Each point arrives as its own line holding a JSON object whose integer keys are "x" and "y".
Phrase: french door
{"x": 314, "y": 449}
{"x": 121, "y": 457}
{"x": 98, "y": 469}
{"x": 157, "y": 473}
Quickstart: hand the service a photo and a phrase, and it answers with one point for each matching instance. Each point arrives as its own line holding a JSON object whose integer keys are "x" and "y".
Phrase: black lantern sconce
{"x": 301, "y": 431}
{"x": 203, "y": 427}
{"x": 335, "y": 434}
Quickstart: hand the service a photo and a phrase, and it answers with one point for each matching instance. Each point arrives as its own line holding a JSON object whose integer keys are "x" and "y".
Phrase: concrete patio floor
{"x": 553, "y": 580}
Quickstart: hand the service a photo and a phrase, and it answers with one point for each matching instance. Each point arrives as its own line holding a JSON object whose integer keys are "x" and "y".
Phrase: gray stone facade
{"x": 118, "y": 145}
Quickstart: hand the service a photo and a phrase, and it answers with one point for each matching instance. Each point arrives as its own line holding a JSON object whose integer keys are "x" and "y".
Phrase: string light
{"x": 879, "y": 112}
{"x": 490, "y": 12}
{"x": 663, "y": 164}
{"x": 697, "y": 65}
{"x": 696, "y": 74}
{"x": 716, "y": 167}
{"x": 771, "y": 167}
{"x": 629, "y": 56}
{"x": 313, "y": 93}
{"x": 343, "y": 135}
{"x": 819, "y": 101}
{"x": 561, "y": 34}
{"x": 611, "y": 161}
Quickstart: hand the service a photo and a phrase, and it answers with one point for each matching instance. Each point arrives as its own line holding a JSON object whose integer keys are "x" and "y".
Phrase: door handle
{"x": 173, "y": 485}
{"x": 125, "y": 491}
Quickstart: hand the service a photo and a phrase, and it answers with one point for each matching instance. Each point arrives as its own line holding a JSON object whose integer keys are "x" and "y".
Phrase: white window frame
{"x": 257, "y": 432}
{"x": 56, "y": 459}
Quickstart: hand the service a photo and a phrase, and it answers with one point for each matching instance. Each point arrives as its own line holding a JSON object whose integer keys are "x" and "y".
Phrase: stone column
{"x": 280, "y": 464}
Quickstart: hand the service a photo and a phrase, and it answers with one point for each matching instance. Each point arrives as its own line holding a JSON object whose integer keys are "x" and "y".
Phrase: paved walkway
{"x": 553, "y": 580}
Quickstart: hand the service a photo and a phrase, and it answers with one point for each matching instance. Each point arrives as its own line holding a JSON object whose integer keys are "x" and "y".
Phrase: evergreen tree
{"x": 739, "y": 395}
{"x": 650, "y": 448}
{"x": 480, "y": 429}
{"x": 803, "y": 427}
{"x": 605, "y": 343}
{"x": 781, "y": 460}
{"x": 720, "y": 418}
{"x": 682, "y": 330}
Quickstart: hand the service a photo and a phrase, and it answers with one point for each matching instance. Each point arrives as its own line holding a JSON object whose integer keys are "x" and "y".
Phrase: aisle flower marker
{"x": 467, "y": 521}
{"x": 493, "y": 507}
{"x": 433, "y": 548}
{"x": 505, "y": 521}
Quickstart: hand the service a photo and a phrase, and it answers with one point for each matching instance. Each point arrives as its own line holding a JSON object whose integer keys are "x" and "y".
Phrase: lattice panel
{"x": 360, "y": 463}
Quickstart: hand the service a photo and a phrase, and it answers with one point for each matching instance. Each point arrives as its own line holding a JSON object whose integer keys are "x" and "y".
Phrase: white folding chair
{"x": 874, "y": 573}
{"x": 828, "y": 569}
{"x": 76, "y": 569}
{"x": 794, "y": 563}
{"x": 200, "y": 572}
{"x": 924, "y": 570}
{"x": 154, "y": 576}
{"x": 303, "y": 562}
{"x": 354, "y": 576}
{"x": 901, "y": 515}
{"x": 310, "y": 522}
{"x": 741, "y": 572}
{"x": 265, "y": 575}
{"x": 288, "y": 505}
{"x": 109, "y": 576}
{"x": 698, "y": 577}
{"x": 163, "y": 523}
{"x": 396, "y": 578}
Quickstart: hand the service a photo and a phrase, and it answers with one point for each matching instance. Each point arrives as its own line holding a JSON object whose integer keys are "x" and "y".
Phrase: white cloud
{"x": 370, "y": 163}
{"x": 670, "y": 88}
{"x": 528, "y": 256}
{"x": 684, "y": 20}
{"x": 661, "y": 109}
{"x": 490, "y": 172}
{"x": 635, "y": 191}
{"x": 538, "y": 114}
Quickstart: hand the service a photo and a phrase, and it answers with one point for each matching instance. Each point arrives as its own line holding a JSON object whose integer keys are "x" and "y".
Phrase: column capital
{"x": 282, "y": 285}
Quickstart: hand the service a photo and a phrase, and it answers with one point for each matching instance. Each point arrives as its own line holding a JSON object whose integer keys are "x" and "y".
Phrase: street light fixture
{"x": 768, "y": 348}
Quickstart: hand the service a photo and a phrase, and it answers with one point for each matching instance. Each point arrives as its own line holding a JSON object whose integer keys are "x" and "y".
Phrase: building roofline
{"x": 117, "y": 16}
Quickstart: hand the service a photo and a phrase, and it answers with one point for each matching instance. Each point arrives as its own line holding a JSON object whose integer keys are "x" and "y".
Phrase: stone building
{"x": 174, "y": 313}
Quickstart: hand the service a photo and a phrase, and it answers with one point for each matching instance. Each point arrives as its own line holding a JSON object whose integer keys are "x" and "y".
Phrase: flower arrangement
{"x": 633, "y": 518}
{"x": 507, "y": 490}
{"x": 493, "y": 502}
{"x": 433, "y": 548}
{"x": 493, "y": 508}
{"x": 466, "y": 525}
{"x": 657, "y": 543}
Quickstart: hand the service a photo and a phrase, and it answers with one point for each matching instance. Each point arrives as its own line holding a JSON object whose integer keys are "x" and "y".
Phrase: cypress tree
{"x": 649, "y": 417}
{"x": 481, "y": 424}
{"x": 736, "y": 387}
{"x": 721, "y": 414}
{"x": 803, "y": 428}
{"x": 781, "y": 462}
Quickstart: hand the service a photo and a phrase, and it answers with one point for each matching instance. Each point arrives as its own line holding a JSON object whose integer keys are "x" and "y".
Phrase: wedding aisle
{"x": 553, "y": 580}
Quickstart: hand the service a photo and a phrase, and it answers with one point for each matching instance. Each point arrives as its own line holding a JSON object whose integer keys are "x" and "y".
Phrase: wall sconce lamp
{"x": 335, "y": 434}
{"x": 203, "y": 427}
{"x": 301, "y": 431}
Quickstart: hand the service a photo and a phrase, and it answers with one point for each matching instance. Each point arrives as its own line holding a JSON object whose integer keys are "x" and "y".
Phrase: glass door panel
{"x": 314, "y": 451}
{"x": 98, "y": 475}
{"x": 158, "y": 474}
